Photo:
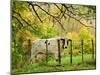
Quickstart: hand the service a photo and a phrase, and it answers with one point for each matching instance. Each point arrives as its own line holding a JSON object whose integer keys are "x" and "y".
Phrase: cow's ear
{"x": 49, "y": 43}
{"x": 63, "y": 40}
{"x": 68, "y": 41}
{"x": 45, "y": 41}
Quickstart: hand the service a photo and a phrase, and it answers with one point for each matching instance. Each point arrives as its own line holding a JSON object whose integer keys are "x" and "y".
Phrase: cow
{"x": 39, "y": 47}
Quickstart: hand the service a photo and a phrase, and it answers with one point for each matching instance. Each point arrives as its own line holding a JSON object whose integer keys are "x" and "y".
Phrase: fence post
{"x": 46, "y": 51}
{"x": 82, "y": 51}
{"x": 29, "y": 47}
{"x": 59, "y": 56}
{"x": 28, "y": 54}
{"x": 71, "y": 51}
{"x": 92, "y": 49}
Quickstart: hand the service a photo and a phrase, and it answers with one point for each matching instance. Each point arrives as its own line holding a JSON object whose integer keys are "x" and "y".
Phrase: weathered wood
{"x": 92, "y": 49}
{"x": 59, "y": 55}
{"x": 71, "y": 51}
{"x": 82, "y": 50}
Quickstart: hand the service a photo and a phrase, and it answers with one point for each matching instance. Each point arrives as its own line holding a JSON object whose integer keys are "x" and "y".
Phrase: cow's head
{"x": 64, "y": 42}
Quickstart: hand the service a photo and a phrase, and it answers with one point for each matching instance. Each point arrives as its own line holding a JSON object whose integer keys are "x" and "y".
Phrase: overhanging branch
{"x": 23, "y": 19}
{"x": 36, "y": 13}
{"x": 50, "y": 15}
{"x": 75, "y": 18}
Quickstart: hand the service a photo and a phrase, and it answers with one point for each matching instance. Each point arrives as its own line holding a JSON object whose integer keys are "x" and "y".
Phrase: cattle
{"x": 39, "y": 47}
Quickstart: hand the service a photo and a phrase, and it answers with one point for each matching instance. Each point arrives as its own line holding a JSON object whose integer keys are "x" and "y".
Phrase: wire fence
{"x": 78, "y": 48}
{"x": 83, "y": 48}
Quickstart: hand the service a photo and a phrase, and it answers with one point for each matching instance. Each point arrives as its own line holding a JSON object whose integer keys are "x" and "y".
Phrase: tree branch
{"x": 50, "y": 15}
{"x": 36, "y": 13}
{"x": 76, "y": 19}
{"x": 68, "y": 9}
{"x": 23, "y": 19}
{"x": 17, "y": 20}
{"x": 63, "y": 12}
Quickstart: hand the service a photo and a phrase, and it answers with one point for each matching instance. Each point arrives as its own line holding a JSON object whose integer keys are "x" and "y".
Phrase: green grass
{"x": 66, "y": 66}
{"x": 75, "y": 59}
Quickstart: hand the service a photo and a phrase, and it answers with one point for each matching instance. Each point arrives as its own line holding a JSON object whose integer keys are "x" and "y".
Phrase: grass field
{"x": 77, "y": 64}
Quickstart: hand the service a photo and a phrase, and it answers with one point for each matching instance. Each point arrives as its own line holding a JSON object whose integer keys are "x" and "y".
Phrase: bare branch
{"x": 36, "y": 13}
{"x": 23, "y": 19}
{"x": 17, "y": 20}
{"x": 68, "y": 9}
{"x": 76, "y": 19}
{"x": 63, "y": 12}
{"x": 51, "y": 16}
